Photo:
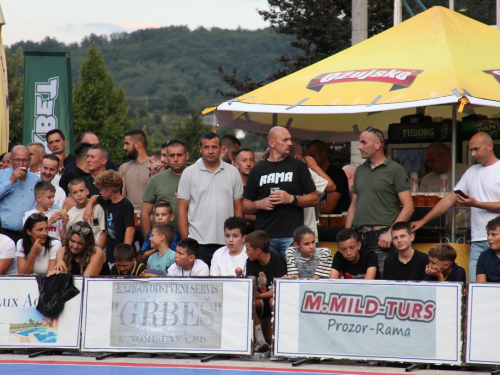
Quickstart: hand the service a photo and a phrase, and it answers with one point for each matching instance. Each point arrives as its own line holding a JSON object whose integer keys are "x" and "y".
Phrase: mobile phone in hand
{"x": 461, "y": 193}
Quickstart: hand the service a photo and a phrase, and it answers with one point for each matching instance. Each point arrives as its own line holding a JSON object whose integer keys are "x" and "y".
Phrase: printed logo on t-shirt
{"x": 274, "y": 178}
{"x": 110, "y": 230}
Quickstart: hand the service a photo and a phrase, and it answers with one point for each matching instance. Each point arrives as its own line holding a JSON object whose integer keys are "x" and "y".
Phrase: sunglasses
{"x": 79, "y": 229}
{"x": 379, "y": 134}
{"x": 38, "y": 216}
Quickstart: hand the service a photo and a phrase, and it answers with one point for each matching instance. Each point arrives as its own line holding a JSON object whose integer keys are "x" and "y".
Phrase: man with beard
{"x": 135, "y": 173}
{"x": 244, "y": 161}
{"x": 163, "y": 186}
{"x": 277, "y": 191}
{"x": 57, "y": 143}
{"x": 49, "y": 169}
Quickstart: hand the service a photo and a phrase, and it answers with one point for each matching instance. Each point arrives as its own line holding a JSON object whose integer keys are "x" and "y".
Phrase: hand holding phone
{"x": 461, "y": 193}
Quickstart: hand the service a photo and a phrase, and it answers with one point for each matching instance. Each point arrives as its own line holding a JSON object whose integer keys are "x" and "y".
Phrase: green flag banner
{"x": 47, "y": 96}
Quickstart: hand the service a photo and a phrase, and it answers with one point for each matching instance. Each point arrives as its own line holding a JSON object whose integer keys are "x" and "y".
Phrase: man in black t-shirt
{"x": 353, "y": 262}
{"x": 407, "y": 263}
{"x": 338, "y": 201}
{"x": 277, "y": 190}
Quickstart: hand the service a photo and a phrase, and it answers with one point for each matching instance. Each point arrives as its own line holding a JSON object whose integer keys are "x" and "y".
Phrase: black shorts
{"x": 266, "y": 309}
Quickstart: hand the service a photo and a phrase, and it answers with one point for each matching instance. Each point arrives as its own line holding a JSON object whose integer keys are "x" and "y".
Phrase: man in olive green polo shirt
{"x": 380, "y": 186}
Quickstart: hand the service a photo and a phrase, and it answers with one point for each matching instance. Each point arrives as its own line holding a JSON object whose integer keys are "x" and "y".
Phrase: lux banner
{"x": 191, "y": 315}
{"x": 23, "y": 326}
{"x": 378, "y": 320}
{"x": 47, "y": 96}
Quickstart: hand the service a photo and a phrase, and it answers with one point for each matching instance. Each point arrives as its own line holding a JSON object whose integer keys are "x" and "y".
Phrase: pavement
{"x": 243, "y": 364}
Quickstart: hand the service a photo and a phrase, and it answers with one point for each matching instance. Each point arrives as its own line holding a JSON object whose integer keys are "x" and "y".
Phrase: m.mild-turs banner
{"x": 391, "y": 321}
{"x": 174, "y": 314}
{"x": 47, "y": 96}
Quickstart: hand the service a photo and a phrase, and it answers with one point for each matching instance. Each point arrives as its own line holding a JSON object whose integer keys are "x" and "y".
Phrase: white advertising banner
{"x": 483, "y": 330}
{"x": 372, "y": 320}
{"x": 180, "y": 315}
{"x": 22, "y": 326}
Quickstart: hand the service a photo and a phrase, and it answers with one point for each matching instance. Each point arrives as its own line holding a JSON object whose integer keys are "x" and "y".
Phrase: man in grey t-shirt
{"x": 210, "y": 191}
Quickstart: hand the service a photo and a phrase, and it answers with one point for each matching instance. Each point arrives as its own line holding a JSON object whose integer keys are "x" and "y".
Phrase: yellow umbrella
{"x": 4, "y": 95}
{"x": 432, "y": 60}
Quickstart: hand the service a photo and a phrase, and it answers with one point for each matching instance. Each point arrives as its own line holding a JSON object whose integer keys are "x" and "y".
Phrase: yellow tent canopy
{"x": 432, "y": 60}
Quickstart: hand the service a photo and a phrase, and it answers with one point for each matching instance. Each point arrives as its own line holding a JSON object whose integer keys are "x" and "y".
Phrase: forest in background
{"x": 160, "y": 66}
{"x": 170, "y": 74}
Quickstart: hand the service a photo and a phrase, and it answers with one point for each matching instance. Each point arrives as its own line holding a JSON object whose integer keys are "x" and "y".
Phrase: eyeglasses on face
{"x": 24, "y": 161}
{"x": 79, "y": 229}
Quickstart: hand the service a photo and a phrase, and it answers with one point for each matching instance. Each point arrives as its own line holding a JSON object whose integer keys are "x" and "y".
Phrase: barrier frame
{"x": 247, "y": 283}
{"x": 456, "y": 289}
{"x": 66, "y": 314}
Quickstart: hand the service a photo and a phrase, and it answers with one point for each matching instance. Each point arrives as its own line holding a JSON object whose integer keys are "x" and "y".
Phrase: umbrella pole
{"x": 453, "y": 164}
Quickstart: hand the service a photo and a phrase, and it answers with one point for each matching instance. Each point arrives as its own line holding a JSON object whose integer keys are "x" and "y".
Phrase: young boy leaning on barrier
{"x": 407, "y": 264}
{"x": 488, "y": 264}
{"x": 353, "y": 262}
{"x": 304, "y": 259}
{"x": 265, "y": 266}
{"x": 442, "y": 266}
{"x": 186, "y": 264}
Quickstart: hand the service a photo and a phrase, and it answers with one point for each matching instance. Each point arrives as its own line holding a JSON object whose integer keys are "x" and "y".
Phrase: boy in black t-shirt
{"x": 265, "y": 266}
{"x": 126, "y": 263}
{"x": 442, "y": 266}
{"x": 353, "y": 262}
{"x": 407, "y": 263}
{"x": 119, "y": 212}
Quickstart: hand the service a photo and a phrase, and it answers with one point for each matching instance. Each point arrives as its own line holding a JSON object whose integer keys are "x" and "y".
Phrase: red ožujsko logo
{"x": 399, "y": 78}
{"x": 495, "y": 73}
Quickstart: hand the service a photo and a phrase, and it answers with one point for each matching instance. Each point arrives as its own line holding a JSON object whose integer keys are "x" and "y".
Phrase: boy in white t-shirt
{"x": 79, "y": 192}
{"x": 231, "y": 260}
{"x": 44, "y": 195}
{"x": 186, "y": 264}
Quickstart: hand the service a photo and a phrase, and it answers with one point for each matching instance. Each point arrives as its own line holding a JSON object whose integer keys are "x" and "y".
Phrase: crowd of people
{"x": 228, "y": 215}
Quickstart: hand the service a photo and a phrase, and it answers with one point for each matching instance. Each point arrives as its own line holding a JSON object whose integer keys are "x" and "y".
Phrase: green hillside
{"x": 155, "y": 65}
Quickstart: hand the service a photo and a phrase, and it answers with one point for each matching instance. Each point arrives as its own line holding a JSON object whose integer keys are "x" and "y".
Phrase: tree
{"x": 98, "y": 106}
{"x": 190, "y": 132}
{"x": 319, "y": 29}
{"x": 15, "y": 73}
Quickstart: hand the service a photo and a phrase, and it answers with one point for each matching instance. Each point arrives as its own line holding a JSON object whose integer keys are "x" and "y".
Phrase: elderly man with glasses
{"x": 380, "y": 187}
{"x": 438, "y": 159}
{"x": 16, "y": 192}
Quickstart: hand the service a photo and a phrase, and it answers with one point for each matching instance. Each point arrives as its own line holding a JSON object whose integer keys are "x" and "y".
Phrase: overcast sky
{"x": 71, "y": 20}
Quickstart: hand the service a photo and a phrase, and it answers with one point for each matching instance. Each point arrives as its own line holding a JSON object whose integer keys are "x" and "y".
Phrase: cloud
{"x": 131, "y": 26}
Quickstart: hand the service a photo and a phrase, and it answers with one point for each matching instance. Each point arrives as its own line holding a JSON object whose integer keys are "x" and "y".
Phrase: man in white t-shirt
{"x": 231, "y": 260}
{"x": 480, "y": 186}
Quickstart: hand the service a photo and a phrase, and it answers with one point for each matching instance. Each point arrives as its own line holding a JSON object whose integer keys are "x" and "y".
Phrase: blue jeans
{"x": 279, "y": 245}
{"x": 476, "y": 248}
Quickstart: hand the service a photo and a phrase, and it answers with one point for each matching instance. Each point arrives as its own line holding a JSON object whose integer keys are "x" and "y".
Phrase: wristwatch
{"x": 295, "y": 200}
